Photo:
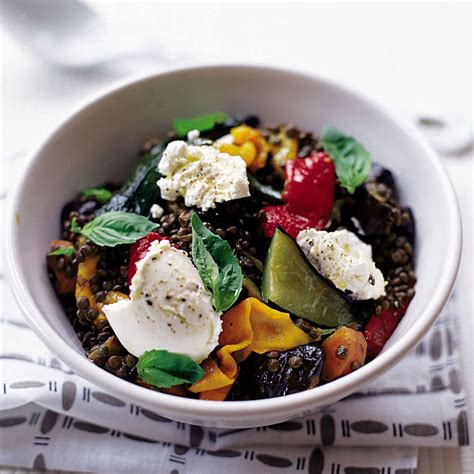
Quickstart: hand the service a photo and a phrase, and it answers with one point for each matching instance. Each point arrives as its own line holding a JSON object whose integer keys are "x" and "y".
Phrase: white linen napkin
{"x": 50, "y": 418}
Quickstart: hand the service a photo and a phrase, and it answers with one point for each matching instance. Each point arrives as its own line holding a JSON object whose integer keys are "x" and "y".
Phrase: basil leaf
{"x": 166, "y": 369}
{"x": 351, "y": 159}
{"x": 115, "y": 228}
{"x": 203, "y": 123}
{"x": 66, "y": 251}
{"x": 203, "y": 260}
{"x": 217, "y": 265}
{"x": 74, "y": 226}
{"x": 99, "y": 194}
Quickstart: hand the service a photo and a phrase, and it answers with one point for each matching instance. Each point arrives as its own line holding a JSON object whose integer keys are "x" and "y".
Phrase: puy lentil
{"x": 273, "y": 365}
{"x": 273, "y": 354}
{"x": 122, "y": 372}
{"x": 130, "y": 361}
{"x": 341, "y": 352}
{"x": 295, "y": 362}
{"x": 70, "y": 271}
{"x": 313, "y": 381}
{"x": 100, "y": 296}
{"x": 92, "y": 314}
{"x": 83, "y": 302}
{"x": 114, "y": 362}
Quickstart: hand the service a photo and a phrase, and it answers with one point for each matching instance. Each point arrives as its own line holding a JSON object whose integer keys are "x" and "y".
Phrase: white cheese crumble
{"x": 156, "y": 211}
{"x": 169, "y": 307}
{"x": 193, "y": 135}
{"x": 224, "y": 140}
{"x": 202, "y": 175}
{"x": 343, "y": 258}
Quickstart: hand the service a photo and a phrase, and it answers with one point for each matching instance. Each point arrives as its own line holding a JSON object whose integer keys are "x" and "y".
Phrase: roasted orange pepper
{"x": 344, "y": 352}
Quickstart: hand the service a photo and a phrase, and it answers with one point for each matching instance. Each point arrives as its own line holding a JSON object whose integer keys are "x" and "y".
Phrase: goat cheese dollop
{"x": 202, "y": 175}
{"x": 343, "y": 258}
{"x": 169, "y": 307}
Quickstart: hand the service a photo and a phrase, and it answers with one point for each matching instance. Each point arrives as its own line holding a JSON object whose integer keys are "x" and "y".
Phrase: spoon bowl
{"x": 68, "y": 34}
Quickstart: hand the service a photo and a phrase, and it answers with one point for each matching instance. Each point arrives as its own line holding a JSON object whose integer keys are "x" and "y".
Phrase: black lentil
{"x": 341, "y": 352}
{"x": 273, "y": 365}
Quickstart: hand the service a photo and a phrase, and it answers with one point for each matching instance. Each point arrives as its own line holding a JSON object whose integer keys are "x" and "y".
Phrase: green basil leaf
{"x": 166, "y": 369}
{"x": 66, "y": 251}
{"x": 99, "y": 194}
{"x": 217, "y": 265}
{"x": 351, "y": 159}
{"x": 115, "y": 228}
{"x": 74, "y": 226}
{"x": 203, "y": 123}
{"x": 203, "y": 260}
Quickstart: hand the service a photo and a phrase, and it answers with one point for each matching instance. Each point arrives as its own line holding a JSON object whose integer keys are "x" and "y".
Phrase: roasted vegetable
{"x": 252, "y": 289}
{"x": 372, "y": 210}
{"x": 308, "y": 193}
{"x": 344, "y": 352}
{"x": 57, "y": 265}
{"x": 250, "y": 326}
{"x": 264, "y": 189}
{"x": 85, "y": 271}
{"x": 375, "y": 209}
{"x": 244, "y": 135}
{"x": 292, "y": 283}
{"x": 381, "y": 326}
{"x": 140, "y": 191}
{"x": 379, "y": 174}
{"x": 138, "y": 251}
{"x": 283, "y": 148}
{"x": 275, "y": 374}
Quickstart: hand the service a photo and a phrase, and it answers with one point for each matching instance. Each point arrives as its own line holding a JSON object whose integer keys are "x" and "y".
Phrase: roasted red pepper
{"x": 289, "y": 221}
{"x": 381, "y": 326}
{"x": 309, "y": 196}
{"x": 139, "y": 250}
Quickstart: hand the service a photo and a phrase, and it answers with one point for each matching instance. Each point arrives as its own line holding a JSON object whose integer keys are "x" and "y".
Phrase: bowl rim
{"x": 201, "y": 409}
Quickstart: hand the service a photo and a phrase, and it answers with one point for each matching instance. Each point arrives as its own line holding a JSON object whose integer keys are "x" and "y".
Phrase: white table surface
{"x": 415, "y": 57}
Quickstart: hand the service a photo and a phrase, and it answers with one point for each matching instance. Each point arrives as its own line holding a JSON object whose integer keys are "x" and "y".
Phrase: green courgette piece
{"x": 292, "y": 283}
{"x": 140, "y": 192}
{"x": 252, "y": 288}
{"x": 264, "y": 189}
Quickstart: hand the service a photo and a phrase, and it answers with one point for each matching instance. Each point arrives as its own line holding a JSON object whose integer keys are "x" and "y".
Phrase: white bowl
{"x": 99, "y": 143}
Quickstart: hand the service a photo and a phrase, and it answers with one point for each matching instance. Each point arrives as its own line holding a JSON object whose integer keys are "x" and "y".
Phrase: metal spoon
{"x": 69, "y": 34}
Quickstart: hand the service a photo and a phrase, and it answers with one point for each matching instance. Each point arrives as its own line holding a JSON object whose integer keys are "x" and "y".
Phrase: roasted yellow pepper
{"x": 248, "y": 144}
{"x": 251, "y": 326}
{"x": 283, "y": 149}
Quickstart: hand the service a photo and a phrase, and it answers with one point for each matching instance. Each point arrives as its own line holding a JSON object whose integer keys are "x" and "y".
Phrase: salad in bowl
{"x": 239, "y": 261}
